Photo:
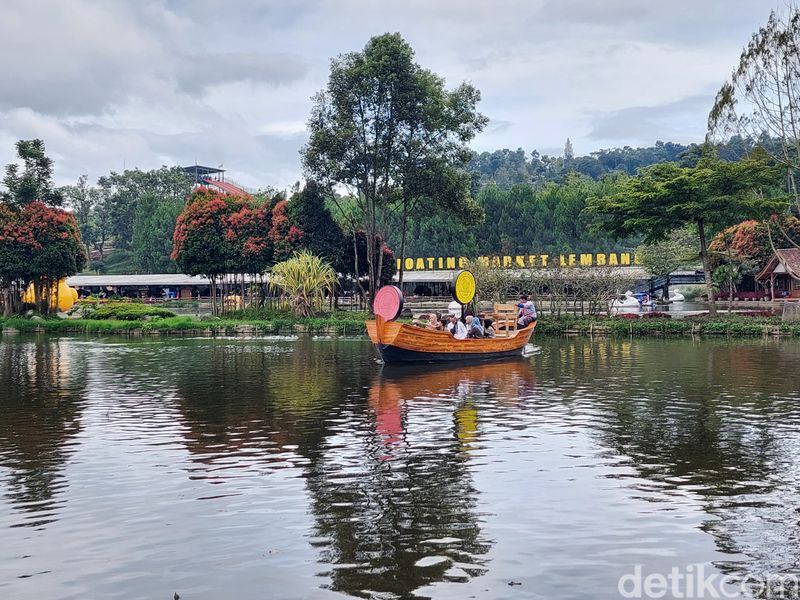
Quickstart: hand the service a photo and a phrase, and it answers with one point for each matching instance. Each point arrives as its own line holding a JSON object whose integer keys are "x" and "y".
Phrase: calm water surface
{"x": 281, "y": 468}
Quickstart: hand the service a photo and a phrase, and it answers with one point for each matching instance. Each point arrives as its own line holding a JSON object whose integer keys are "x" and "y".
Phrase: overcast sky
{"x": 142, "y": 83}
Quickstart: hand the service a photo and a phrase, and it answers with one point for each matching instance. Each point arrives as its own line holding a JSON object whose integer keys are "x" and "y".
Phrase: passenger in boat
{"x": 527, "y": 312}
{"x": 434, "y": 322}
{"x": 456, "y": 328}
{"x": 488, "y": 328}
{"x": 475, "y": 330}
{"x": 422, "y": 321}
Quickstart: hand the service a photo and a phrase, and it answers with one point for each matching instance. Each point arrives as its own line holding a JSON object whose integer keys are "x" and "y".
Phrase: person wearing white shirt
{"x": 456, "y": 328}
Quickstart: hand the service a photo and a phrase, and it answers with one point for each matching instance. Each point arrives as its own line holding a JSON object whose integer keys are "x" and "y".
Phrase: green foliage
{"x": 322, "y": 236}
{"x": 125, "y": 311}
{"x": 677, "y": 250}
{"x": 125, "y": 190}
{"x": 389, "y": 129}
{"x": 712, "y": 195}
{"x": 667, "y": 196}
{"x": 35, "y": 182}
{"x": 760, "y": 100}
{"x": 304, "y": 280}
{"x": 153, "y": 226}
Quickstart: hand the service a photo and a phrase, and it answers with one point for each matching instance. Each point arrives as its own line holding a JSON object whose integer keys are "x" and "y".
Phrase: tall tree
{"x": 81, "y": 199}
{"x": 35, "y": 182}
{"x": 322, "y": 236}
{"x": 390, "y": 132}
{"x": 569, "y": 153}
{"x": 713, "y": 195}
{"x": 153, "y": 226}
{"x": 761, "y": 100}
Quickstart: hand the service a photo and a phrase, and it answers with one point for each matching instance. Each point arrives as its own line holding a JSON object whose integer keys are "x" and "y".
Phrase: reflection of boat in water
{"x": 397, "y": 383}
{"x": 399, "y": 342}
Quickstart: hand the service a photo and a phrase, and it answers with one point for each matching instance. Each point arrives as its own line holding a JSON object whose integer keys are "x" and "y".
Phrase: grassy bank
{"x": 729, "y": 326}
{"x": 352, "y": 323}
{"x": 338, "y": 323}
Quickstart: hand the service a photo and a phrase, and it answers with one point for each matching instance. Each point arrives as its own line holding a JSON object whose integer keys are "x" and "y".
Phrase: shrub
{"x": 656, "y": 315}
{"x": 627, "y": 316}
{"x": 122, "y": 311}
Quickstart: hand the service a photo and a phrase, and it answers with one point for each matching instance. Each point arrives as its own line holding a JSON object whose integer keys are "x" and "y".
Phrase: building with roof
{"x": 782, "y": 274}
{"x": 214, "y": 178}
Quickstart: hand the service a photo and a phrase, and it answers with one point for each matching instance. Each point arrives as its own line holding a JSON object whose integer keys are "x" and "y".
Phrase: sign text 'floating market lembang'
{"x": 526, "y": 261}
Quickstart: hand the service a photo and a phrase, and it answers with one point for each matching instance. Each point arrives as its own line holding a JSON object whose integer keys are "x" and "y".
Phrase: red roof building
{"x": 782, "y": 273}
{"x": 214, "y": 178}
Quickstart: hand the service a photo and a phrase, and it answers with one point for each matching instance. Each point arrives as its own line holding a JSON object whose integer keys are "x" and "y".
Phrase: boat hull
{"x": 402, "y": 343}
{"x": 393, "y": 354}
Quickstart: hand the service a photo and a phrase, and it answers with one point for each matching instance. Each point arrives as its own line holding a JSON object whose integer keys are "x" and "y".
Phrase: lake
{"x": 134, "y": 468}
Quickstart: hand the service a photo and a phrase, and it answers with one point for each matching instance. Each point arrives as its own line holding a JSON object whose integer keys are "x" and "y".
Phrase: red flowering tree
{"x": 219, "y": 234}
{"x": 40, "y": 245}
{"x": 199, "y": 244}
{"x": 750, "y": 240}
{"x": 286, "y": 238}
{"x": 247, "y": 235}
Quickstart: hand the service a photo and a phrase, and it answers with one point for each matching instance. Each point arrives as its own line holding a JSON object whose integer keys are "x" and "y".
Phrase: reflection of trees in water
{"x": 392, "y": 493}
{"x": 379, "y": 518}
{"x": 714, "y": 419}
{"x": 233, "y": 396}
{"x": 41, "y": 384}
{"x": 383, "y": 497}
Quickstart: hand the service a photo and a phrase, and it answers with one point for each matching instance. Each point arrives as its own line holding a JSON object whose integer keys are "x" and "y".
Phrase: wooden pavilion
{"x": 782, "y": 273}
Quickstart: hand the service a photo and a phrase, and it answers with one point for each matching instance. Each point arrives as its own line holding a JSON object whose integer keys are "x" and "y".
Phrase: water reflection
{"x": 295, "y": 465}
{"x": 398, "y": 511}
{"x": 716, "y": 421}
{"x": 41, "y": 383}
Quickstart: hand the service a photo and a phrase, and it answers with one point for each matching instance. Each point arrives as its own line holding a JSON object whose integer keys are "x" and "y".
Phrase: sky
{"x": 110, "y": 85}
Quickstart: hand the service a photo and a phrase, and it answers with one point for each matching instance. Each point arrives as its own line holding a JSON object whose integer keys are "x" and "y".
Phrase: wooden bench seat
{"x": 505, "y": 318}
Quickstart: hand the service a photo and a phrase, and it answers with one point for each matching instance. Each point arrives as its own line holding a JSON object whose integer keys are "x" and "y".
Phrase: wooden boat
{"x": 400, "y": 342}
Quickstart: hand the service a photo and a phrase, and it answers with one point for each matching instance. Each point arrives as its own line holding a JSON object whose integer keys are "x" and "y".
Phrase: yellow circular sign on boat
{"x": 464, "y": 287}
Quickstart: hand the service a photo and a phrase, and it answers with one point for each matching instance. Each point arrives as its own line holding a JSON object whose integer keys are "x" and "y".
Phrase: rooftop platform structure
{"x": 214, "y": 178}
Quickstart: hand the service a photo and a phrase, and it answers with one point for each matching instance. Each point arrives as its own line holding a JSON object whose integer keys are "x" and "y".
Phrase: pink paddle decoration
{"x": 388, "y": 302}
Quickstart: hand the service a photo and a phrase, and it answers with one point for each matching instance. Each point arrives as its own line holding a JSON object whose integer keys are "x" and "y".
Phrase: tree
{"x": 102, "y": 219}
{"x": 664, "y": 257}
{"x": 712, "y": 195}
{"x": 153, "y": 226}
{"x": 35, "y": 182}
{"x": 569, "y": 153}
{"x": 762, "y": 96}
{"x": 127, "y": 188}
{"x": 731, "y": 266}
{"x": 199, "y": 245}
{"x": 286, "y": 238}
{"x": 353, "y": 261}
{"x": 57, "y": 249}
{"x": 39, "y": 243}
{"x": 389, "y": 131}
{"x": 750, "y": 240}
{"x": 81, "y": 198}
{"x": 322, "y": 236}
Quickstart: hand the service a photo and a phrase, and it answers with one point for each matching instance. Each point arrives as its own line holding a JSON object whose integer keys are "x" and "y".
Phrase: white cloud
{"x": 112, "y": 83}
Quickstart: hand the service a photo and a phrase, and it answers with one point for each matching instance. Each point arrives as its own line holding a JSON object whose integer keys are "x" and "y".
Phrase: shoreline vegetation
{"x": 346, "y": 323}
